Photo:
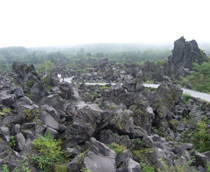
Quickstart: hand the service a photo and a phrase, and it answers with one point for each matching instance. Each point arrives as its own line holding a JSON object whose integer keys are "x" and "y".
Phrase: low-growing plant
{"x": 49, "y": 153}
{"x": 60, "y": 168}
{"x": 139, "y": 141}
{"x": 12, "y": 141}
{"x": 29, "y": 95}
{"x": 201, "y": 137}
{"x": 29, "y": 84}
{"x": 104, "y": 88}
{"x": 24, "y": 167}
{"x": 117, "y": 148}
{"x": 5, "y": 111}
{"x": 4, "y": 168}
{"x": 28, "y": 114}
{"x": 185, "y": 98}
{"x": 85, "y": 170}
{"x": 146, "y": 168}
{"x": 208, "y": 166}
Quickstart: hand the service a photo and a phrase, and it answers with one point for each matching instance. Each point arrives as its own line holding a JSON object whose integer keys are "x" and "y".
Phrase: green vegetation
{"x": 82, "y": 156}
{"x": 29, "y": 84}
{"x": 5, "y": 111}
{"x": 146, "y": 168}
{"x": 29, "y": 95}
{"x": 179, "y": 166}
{"x": 49, "y": 153}
{"x": 12, "y": 141}
{"x": 4, "y": 168}
{"x": 46, "y": 66}
{"x": 199, "y": 80}
{"x": 85, "y": 170}
{"x": 149, "y": 82}
{"x": 201, "y": 137}
{"x": 46, "y": 83}
{"x": 104, "y": 88}
{"x": 185, "y": 98}
{"x": 117, "y": 148}
{"x": 61, "y": 168}
{"x": 139, "y": 141}
{"x": 28, "y": 113}
{"x": 208, "y": 166}
{"x": 24, "y": 166}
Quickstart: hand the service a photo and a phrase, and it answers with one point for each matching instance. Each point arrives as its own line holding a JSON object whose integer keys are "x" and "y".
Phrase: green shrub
{"x": 201, "y": 137}
{"x": 12, "y": 141}
{"x": 46, "y": 83}
{"x": 185, "y": 98}
{"x": 146, "y": 168}
{"x": 4, "y": 168}
{"x": 208, "y": 167}
{"x": 199, "y": 80}
{"x": 117, "y": 148}
{"x": 24, "y": 166}
{"x": 49, "y": 153}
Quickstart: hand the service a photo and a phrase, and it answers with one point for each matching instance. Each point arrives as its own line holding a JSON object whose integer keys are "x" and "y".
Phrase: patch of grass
{"x": 117, "y": 148}
{"x": 61, "y": 168}
{"x": 28, "y": 113}
{"x": 104, "y": 88}
{"x": 29, "y": 84}
{"x": 149, "y": 82}
{"x": 5, "y": 111}
{"x": 185, "y": 98}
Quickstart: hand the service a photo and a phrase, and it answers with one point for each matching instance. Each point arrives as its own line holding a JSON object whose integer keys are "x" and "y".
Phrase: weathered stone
{"x": 183, "y": 56}
{"x": 84, "y": 124}
{"x": 20, "y": 141}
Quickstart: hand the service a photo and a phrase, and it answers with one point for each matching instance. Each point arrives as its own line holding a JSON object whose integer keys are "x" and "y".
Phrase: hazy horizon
{"x": 36, "y": 23}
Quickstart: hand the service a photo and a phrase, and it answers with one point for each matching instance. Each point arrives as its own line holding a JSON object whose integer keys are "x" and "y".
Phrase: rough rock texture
{"x": 83, "y": 126}
{"x": 97, "y": 158}
{"x": 27, "y": 77}
{"x": 183, "y": 56}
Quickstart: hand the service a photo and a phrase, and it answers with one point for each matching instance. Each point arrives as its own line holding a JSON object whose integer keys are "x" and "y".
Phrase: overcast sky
{"x": 33, "y": 23}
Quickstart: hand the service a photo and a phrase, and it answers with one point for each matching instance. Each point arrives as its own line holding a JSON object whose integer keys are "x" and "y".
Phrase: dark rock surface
{"x": 183, "y": 56}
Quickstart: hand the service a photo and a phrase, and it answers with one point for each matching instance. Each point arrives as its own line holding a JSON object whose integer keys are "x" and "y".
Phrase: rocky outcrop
{"x": 27, "y": 77}
{"x": 183, "y": 56}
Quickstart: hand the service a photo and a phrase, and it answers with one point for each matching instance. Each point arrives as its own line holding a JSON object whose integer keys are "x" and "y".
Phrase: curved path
{"x": 196, "y": 94}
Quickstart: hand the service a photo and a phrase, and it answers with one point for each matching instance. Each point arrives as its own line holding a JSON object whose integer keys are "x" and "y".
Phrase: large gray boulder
{"x": 123, "y": 122}
{"x": 125, "y": 163}
{"x": 97, "y": 158}
{"x": 49, "y": 116}
{"x": 84, "y": 124}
